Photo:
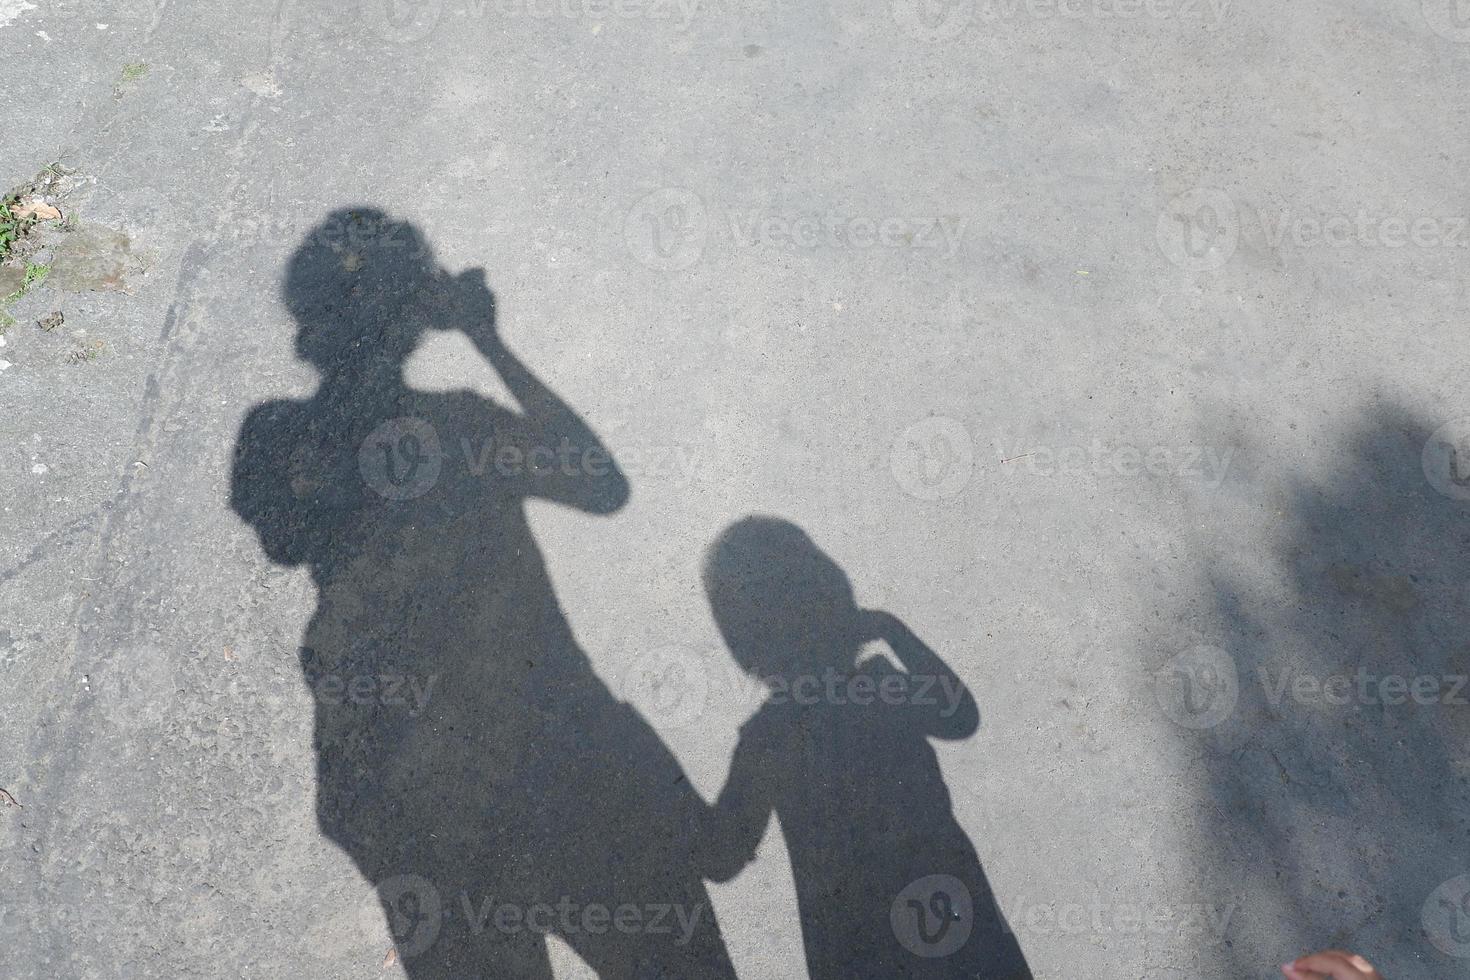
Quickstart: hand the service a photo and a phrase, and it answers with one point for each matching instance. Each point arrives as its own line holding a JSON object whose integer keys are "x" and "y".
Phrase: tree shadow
{"x": 469, "y": 759}
{"x": 1338, "y": 784}
{"x": 888, "y": 884}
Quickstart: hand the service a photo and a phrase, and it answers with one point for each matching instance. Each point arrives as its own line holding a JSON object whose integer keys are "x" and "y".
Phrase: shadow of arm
{"x": 564, "y": 461}
{"x": 736, "y": 823}
{"x": 954, "y": 713}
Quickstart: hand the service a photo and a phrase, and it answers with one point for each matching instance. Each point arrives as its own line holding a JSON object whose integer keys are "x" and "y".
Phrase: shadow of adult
{"x": 887, "y": 881}
{"x": 469, "y": 759}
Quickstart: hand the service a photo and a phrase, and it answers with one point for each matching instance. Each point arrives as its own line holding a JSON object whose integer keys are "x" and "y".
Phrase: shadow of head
{"x": 364, "y": 283}
{"x": 780, "y": 602}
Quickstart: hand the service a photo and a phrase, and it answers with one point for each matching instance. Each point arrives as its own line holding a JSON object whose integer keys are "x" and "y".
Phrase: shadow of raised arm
{"x": 959, "y": 715}
{"x": 561, "y": 457}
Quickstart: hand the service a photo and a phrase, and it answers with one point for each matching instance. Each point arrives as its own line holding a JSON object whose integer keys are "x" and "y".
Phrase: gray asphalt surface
{"x": 1115, "y": 348}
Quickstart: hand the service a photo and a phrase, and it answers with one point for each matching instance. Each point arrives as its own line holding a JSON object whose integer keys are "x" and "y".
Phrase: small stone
{"x": 4, "y": 364}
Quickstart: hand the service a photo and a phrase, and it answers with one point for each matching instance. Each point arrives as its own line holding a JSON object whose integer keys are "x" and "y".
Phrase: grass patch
{"x": 133, "y": 71}
{"x": 13, "y": 232}
{"x": 12, "y": 228}
{"x": 35, "y": 275}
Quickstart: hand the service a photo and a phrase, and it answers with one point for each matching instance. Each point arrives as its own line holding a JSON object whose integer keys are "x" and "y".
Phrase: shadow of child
{"x": 887, "y": 882}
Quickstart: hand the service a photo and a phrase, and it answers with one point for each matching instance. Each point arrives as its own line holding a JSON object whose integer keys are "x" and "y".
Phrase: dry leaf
{"x": 34, "y": 209}
{"x": 391, "y": 958}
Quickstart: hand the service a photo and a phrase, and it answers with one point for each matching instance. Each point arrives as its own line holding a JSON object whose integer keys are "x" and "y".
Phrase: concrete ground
{"x": 1116, "y": 347}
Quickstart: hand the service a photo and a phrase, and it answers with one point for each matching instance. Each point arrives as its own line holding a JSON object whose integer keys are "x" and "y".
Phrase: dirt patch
{"x": 46, "y": 248}
{"x": 43, "y": 240}
{"x": 94, "y": 258}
